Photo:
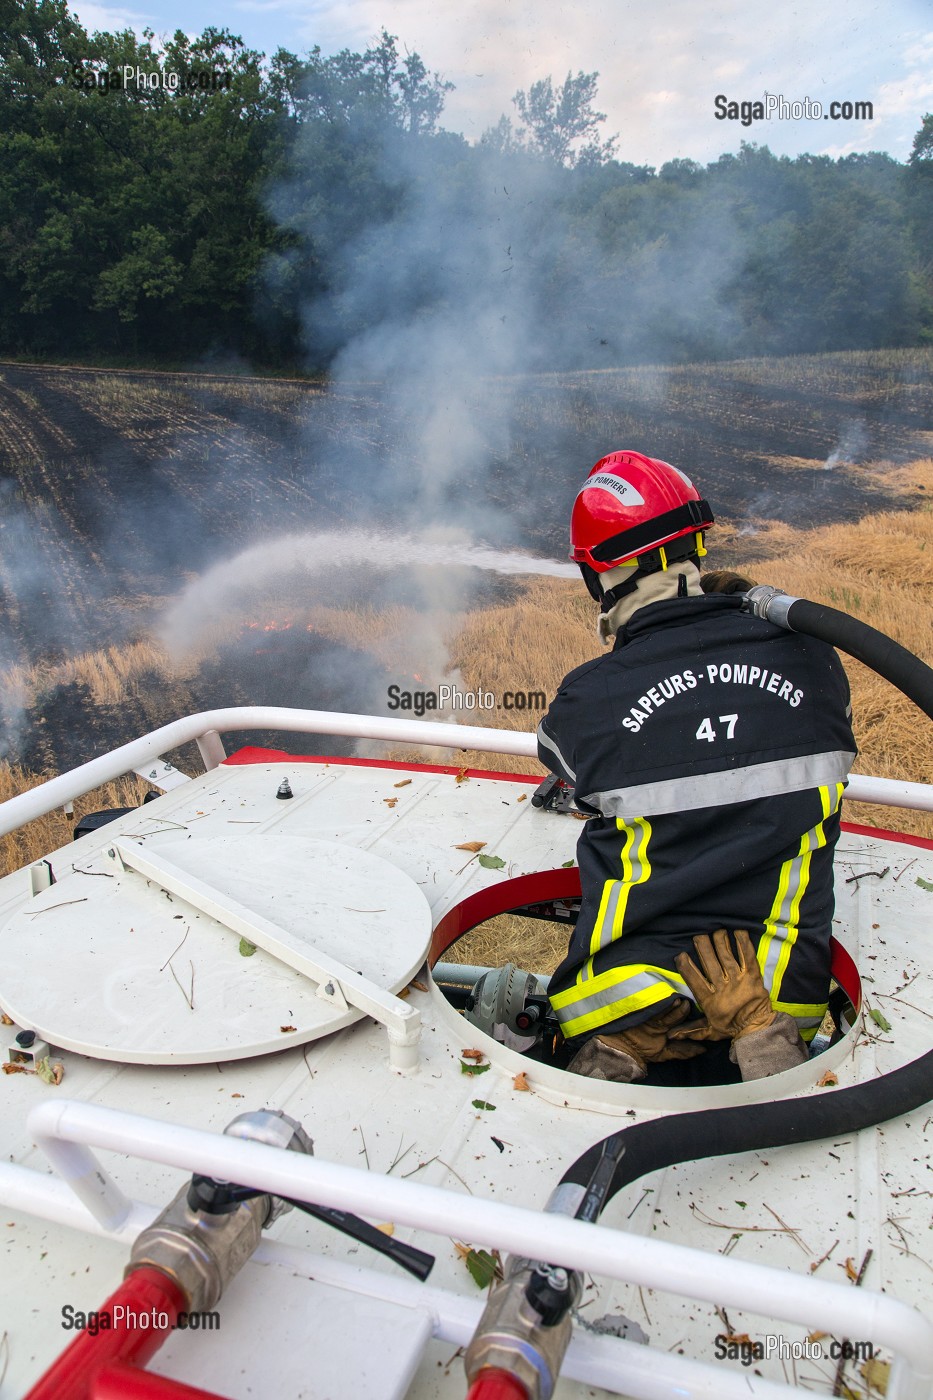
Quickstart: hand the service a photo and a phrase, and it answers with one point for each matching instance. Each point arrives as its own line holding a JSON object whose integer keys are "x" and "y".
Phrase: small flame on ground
{"x": 274, "y": 626}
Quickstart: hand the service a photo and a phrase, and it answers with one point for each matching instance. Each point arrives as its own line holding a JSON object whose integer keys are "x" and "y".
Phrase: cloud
{"x": 659, "y": 69}
{"x": 112, "y": 18}
{"x": 912, "y": 93}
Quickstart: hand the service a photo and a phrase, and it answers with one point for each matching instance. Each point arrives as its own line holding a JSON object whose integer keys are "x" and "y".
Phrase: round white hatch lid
{"x": 146, "y": 957}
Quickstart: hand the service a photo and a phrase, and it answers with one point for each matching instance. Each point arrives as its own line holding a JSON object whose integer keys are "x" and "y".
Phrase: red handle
{"x": 121, "y": 1335}
{"x": 493, "y": 1384}
{"x": 129, "y": 1383}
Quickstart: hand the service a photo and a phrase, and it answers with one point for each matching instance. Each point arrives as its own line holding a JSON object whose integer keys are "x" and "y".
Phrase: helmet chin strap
{"x": 637, "y": 590}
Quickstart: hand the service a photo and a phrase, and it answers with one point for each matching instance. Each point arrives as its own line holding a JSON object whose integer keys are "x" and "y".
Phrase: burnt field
{"x": 119, "y": 488}
{"x": 219, "y": 458}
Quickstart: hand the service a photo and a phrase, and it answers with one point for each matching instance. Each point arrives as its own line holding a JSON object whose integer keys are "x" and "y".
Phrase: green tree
{"x": 149, "y": 271}
{"x": 555, "y": 122}
{"x": 922, "y": 149}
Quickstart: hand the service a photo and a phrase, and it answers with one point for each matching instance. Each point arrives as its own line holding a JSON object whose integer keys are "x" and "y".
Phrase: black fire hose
{"x": 689, "y": 1137}
{"x": 867, "y": 644}
{"x": 717, "y": 1132}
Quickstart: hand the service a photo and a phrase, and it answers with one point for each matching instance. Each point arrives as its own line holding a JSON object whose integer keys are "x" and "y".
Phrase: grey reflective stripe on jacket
{"x": 553, "y": 756}
{"x": 694, "y": 791}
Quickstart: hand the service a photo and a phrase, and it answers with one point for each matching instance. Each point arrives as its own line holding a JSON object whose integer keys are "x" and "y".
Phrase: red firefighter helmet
{"x": 629, "y": 505}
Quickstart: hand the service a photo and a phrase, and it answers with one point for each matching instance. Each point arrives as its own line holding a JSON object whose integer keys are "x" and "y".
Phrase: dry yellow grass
{"x": 532, "y": 944}
{"x": 110, "y": 675}
{"x": 48, "y": 833}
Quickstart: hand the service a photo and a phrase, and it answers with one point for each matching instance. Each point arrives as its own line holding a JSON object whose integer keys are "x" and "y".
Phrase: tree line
{"x": 222, "y": 207}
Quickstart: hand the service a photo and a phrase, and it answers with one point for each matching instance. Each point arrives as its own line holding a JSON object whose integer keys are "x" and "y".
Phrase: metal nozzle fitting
{"x": 514, "y": 1333}
{"x": 770, "y": 604}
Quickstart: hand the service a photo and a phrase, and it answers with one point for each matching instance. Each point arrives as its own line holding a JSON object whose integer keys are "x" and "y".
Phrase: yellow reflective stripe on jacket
{"x": 636, "y": 869}
{"x": 597, "y": 999}
{"x": 808, "y": 1015}
{"x": 781, "y": 925}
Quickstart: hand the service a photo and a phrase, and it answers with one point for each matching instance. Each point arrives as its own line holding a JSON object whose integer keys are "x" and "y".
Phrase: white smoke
{"x": 852, "y": 445}
{"x": 228, "y": 591}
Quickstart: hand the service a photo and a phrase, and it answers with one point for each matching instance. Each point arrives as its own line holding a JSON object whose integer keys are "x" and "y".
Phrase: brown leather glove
{"x": 732, "y": 994}
{"x": 650, "y": 1042}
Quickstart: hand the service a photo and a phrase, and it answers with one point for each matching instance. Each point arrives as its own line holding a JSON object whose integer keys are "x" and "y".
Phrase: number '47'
{"x": 706, "y": 730}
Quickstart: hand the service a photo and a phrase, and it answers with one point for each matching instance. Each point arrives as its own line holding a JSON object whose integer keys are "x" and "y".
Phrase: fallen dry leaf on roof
{"x": 390, "y": 801}
{"x": 470, "y": 846}
{"x": 520, "y": 1082}
{"x": 523, "y": 798}
{"x": 418, "y": 986}
{"x": 9, "y": 1068}
{"x": 285, "y": 1029}
{"x": 828, "y": 1081}
{"x": 740, "y": 1339}
{"x": 462, "y": 775}
{"x": 386, "y": 1229}
{"x": 817, "y": 1336}
{"x": 50, "y": 1071}
{"x": 5, "y": 1020}
{"x": 877, "y": 1374}
{"x": 472, "y": 1054}
{"x": 404, "y": 783}
{"x": 851, "y": 1270}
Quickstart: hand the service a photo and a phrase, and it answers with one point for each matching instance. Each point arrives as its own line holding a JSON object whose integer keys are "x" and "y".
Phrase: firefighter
{"x": 712, "y": 750}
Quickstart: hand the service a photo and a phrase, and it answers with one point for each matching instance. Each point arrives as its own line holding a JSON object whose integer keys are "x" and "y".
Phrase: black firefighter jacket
{"x": 714, "y": 749}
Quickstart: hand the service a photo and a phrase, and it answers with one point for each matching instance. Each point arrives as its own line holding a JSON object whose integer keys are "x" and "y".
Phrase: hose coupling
{"x": 770, "y": 604}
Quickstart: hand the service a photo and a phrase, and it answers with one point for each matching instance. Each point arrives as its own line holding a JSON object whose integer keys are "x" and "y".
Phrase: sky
{"x": 661, "y": 64}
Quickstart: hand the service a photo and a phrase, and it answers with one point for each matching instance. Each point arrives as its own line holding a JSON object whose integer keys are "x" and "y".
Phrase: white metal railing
{"x": 611, "y": 1362}
{"x": 67, "y": 1130}
{"x": 206, "y": 728}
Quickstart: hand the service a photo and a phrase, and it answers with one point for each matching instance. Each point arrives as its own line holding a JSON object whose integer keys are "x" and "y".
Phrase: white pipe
{"x": 206, "y": 727}
{"x": 890, "y": 792}
{"x": 641, "y": 1372}
{"x": 47, "y": 796}
{"x": 77, "y": 1165}
{"x": 672, "y": 1268}
{"x": 37, "y": 1193}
